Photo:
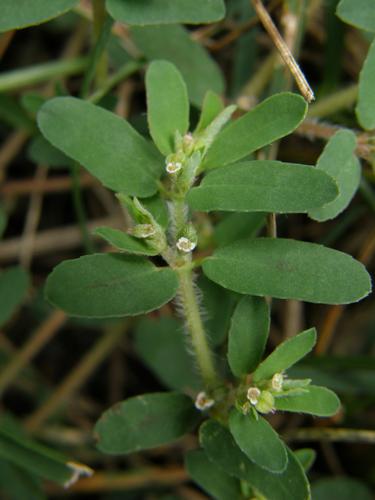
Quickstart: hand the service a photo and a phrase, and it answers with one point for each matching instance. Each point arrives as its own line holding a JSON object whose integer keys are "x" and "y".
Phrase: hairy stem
{"x": 195, "y": 326}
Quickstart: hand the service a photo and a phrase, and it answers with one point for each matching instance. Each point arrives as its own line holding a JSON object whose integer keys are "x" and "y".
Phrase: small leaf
{"x": 211, "y": 478}
{"x": 104, "y": 143}
{"x": 274, "y": 118}
{"x": 306, "y": 457}
{"x": 218, "y": 308}
{"x": 14, "y": 283}
{"x": 286, "y": 355}
{"x": 221, "y": 449}
{"x": 161, "y": 344}
{"x": 158, "y": 208}
{"x": 145, "y": 422}
{"x": 289, "y": 269}
{"x": 339, "y": 161}
{"x": 38, "y": 459}
{"x": 212, "y": 106}
{"x": 23, "y": 13}
{"x": 174, "y": 44}
{"x": 167, "y": 104}
{"x": 258, "y": 440}
{"x": 237, "y": 226}
{"x": 124, "y": 242}
{"x": 318, "y": 401}
{"x": 360, "y": 13}
{"x": 366, "y": 99}
{"x": 166, "y": 11}
{"x": 263, "y": 186}
{"x": 344, "y": 488}
{"x": 41, "y": 152}
{"x": 110, "y": 285}
{"x": 17, "y": 484}
{"x": 248, "y": 335}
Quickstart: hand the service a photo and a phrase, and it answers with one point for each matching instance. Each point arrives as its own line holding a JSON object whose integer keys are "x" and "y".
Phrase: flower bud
{"x": 277, "y": 382}
{"x": 203, "y": 401}
{"x": 143, "y": 231}
{"x": 266, "y": 402}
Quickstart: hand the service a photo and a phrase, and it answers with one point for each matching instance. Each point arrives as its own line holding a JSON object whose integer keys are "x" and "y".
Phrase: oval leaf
{"x": 173, "y": 43}
{"x": 144, "y": 422}
{"x": 263, "y": 186}
{"x": 318, "y": 401}
{"x": 344, "y": 488}
{"x": 248, "y": 335}
{"x": 289, "y": 269}
{"x": 167, "y": 104}
{"x": 286, "y": 355}
{"x": 211, "y": 478}
{"x": 338, "y": 161}
{"x": 258, "y": 440}
{"x": 221, "y": 448}
{"x": 104, "y": 143}
{"x": 124, "y": 242}
{"x": 14, "y": 282}
{"x": 274, "y": 118}
{"x": 360, "y": 13}
{"x": 23, "y": 13}
{"x": 161, "y": 344}
{"x": 166, "y": 11}
{"x": 110, "y": 285}
{"x": 366, "y": 99}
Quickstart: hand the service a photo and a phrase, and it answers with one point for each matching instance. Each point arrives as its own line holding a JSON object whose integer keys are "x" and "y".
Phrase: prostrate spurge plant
{"x": 242, "y": 456}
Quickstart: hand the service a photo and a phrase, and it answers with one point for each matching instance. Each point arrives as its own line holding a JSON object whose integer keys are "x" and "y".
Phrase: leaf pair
{"x": 361, "y": 14}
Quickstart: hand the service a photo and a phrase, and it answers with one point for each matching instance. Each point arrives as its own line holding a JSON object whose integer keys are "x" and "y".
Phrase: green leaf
{"x": 23, "y": 13}
{"x": 110, "y": 285}
{"x": 42, "y": 152}
{"x": 248, "y": 335}
{"x": 263, "y": 186}
{"x": 360, "y": 13}
{"x": 318, "y": 401}
{"x": 344, "y": 488}
{"x": 212, "y": 106}
{"x": 102, "y": 142}
{"x": 124, "y": 242}
{"x": 238, "y": 225}
{"x": 339, "y": 161}
{"x": 173, "y": 43}
{"x": 167, "y": 104}
{"x": 141, "y": 12}
{"x": 258, "y": 440}
{"x": 161, "y": 344}
{"x": 306, "y": 457}
{"x": 286, "y": 355}
{"x": 274, "y": 118}
{"x": 17, "y": 484}
{"x": 37, "y": 459}
{"x": 366, "y": 99}
{"x": 144, "y": 422}
{"x": 289, "y": 269}
{"x": 158, "y": 208}
{"x": 222, "y": 450}
{"x": 218, "y": 305}
{"x": 14, "y": 283}
{"x": 211, "y": 478}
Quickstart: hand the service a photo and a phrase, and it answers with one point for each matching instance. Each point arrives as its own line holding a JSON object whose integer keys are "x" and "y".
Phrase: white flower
{"x": 173, "y": 167}
{"x": 185, "y": 245}
{"x": 203, "y": 402}
{"x": 253, "y": 394}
